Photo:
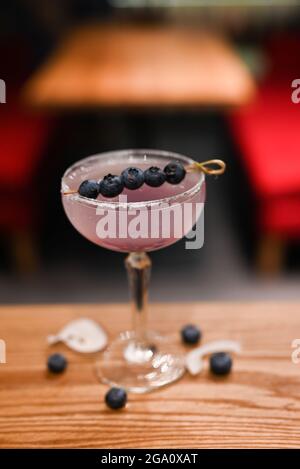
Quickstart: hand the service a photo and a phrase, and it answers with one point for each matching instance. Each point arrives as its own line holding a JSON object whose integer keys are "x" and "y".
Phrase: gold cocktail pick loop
{"x": 206, "y": 167}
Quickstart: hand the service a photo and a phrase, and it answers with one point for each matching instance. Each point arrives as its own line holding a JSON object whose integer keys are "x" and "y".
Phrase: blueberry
{"x": 111, "y": 186}
{"x": 174, "y": 172}
{"x": 133, "y": 178}
{"x": 220, "y": 363}
{"x": 116, "y": 398}
{"x": 89, "y": 188}
{"x": 57, "y": 363}
{"x": 154, "y": 176}
{"x": 190, "y": 334}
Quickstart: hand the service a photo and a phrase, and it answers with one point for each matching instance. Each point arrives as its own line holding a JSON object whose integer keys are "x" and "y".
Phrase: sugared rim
{"x": 135, "y": 152}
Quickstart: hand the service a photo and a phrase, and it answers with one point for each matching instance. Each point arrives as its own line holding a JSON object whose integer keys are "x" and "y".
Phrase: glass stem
{"x": 138, "y": 265}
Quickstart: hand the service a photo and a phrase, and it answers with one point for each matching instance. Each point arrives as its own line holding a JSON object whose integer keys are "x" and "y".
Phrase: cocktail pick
{"x": 82, "y": 335}
{"x": 193, "y": 360}
{"x": 210, "y": 167}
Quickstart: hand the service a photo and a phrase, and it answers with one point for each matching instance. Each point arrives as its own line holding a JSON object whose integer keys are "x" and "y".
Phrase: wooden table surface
{"x": 256, "y": 406}
{"x": 126, "y": 65}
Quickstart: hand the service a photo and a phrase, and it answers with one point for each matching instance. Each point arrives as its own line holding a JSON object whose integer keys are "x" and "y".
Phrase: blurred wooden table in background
{"x": 124, "y": 65}
{"x": 256, "y": 406}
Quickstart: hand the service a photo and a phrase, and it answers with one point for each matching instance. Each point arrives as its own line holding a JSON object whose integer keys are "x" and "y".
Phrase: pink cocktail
{"x": 136, "y": 222}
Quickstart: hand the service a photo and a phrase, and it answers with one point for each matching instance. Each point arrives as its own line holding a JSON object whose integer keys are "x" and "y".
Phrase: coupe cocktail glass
{"x": 139, "y": 360}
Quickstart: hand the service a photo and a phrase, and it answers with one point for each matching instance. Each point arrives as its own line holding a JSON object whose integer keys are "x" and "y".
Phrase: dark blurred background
{"x": 245, "y": 115}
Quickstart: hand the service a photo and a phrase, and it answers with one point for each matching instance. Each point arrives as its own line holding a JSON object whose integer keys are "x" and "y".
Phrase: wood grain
{"x": 126, "y": 65}
{"x": 257, "y": 406}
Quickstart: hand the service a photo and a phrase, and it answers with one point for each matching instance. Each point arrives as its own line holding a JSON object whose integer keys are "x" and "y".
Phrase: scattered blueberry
{"x": 111, "y": 186}
{"x": 154, "y": 176}
{"x": 133, "y": 178}
{"x": 220, "y": 363}
{"x": 190, "y": 334}
{"x": 116, "y": 398}
{"x": 174, "y": 172}
{"x": 89, "y": 188}
{"x": 57, "y": 363}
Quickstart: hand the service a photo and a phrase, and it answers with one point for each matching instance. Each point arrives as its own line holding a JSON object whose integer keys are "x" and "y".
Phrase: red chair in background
{"x": 267, "y": 132}
{"x": 23, "y": 138}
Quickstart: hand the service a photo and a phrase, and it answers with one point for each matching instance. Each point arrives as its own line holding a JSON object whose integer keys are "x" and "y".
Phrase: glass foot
{"x": 140, "y": 367}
